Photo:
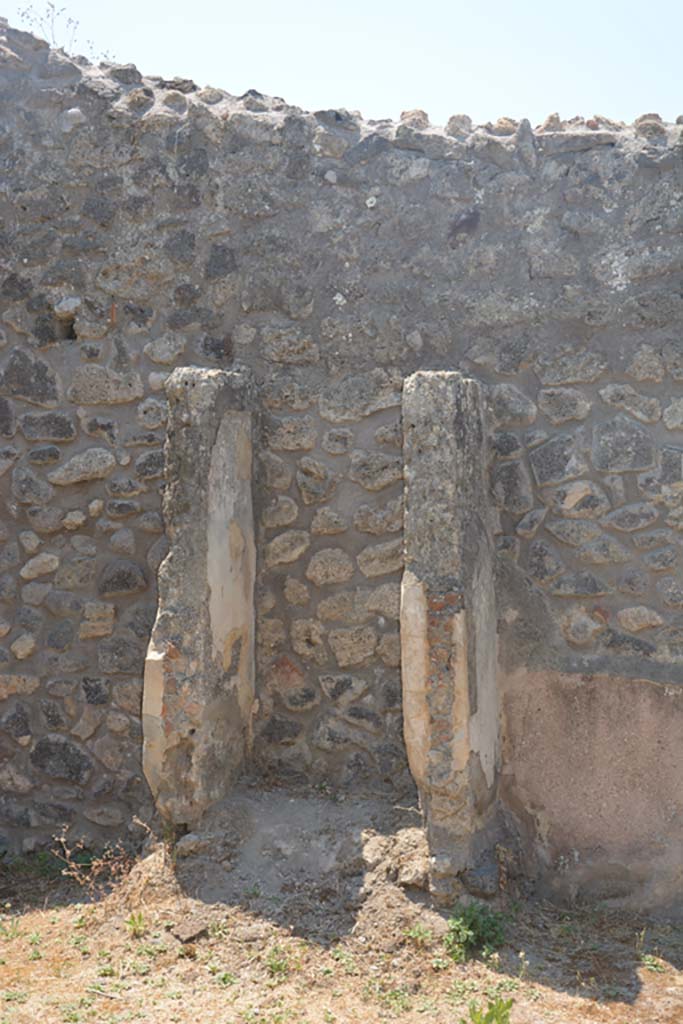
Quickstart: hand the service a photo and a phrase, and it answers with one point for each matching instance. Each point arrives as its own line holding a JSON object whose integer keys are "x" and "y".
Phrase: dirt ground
{"x": 302, "y": 909}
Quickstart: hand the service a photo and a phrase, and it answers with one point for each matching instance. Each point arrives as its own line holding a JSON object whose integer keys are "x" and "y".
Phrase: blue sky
{"x": 524, "y": 59}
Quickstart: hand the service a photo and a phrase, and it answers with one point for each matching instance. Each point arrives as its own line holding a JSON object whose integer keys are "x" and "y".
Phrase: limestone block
{"x": 330, "y": 565}
{"x": 199, "y": 672}
{"x": 448, "y": 621}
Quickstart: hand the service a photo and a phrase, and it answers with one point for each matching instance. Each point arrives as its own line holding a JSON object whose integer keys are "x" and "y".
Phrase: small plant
{"x": 13, "y": 996}
{"x": 9, "y": 931}
{"x": 277, "y": 963}
{"x": 652, "y": 963}
{"x": 396, "y": 1000}
{"x": 219, "y": 929}
{"x": 136, "y": 924}
{"x": 346, "y": 959}
{"x": 225, "y": 978}
{"x": 473, "y": 928}
{"x": 94, "y": 873}
{"x": 497, "y": 1012}
{"x": 419, "y": 935}
{"x": 58, "y": 28}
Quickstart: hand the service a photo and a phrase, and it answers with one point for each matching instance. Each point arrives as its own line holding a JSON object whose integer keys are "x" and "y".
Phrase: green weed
{"x": 473, "y": 928}
{"x": 497, "y": 1012}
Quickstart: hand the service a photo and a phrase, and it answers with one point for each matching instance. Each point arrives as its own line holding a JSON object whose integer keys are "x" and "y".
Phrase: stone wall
{"x": 150, "y": 224}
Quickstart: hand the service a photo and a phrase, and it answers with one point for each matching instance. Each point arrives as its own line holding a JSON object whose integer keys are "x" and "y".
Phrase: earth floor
{"x": 292, "y": 909}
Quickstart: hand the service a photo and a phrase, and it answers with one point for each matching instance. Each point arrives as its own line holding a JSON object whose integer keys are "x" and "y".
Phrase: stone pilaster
{"x": 199, "y": 670}
{"x": 448, "y": 621}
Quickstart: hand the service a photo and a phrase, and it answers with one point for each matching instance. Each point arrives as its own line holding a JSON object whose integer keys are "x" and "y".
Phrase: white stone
{"x": 92, "y": 464}
{"x": 41, "y": 565}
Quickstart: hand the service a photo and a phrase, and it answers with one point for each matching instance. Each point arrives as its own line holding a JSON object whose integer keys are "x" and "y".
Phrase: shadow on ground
{"x": 325, "y": 868}
{"x": 354, "y": 870}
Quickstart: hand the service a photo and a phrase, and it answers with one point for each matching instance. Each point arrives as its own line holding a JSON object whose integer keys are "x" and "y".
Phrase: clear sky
{"x": 619, "y": 58}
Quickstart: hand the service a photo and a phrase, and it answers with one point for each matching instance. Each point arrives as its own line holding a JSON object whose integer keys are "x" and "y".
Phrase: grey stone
{"x": 8, "y": 456}
{"x": 40, "y": 565}
{"x": 391, "y": 435}
{"x": 389, "y": 519}
{"x": 355, "y": 397}
{"x": 151, "y": 413}
{"x": 646, "y": 364}
{"x": 375, "y": 470}
{"x": 506, "y": 445}
{"x": 286, "y": 548}
{"x": 30, "y": 489}
{"x": 633, "y": 581}
{"x": 60, "y": 635}
{"x": 100, "y": 385}
{"x": 623, "y": 396}
{"x": 569, "y": 365}
{"x": 289, "y": 346}
{"x": 580, "y": 499}
{"x": 8, "y": 419}
{"x": 543, "y": 565}
{"x": 278, "y": 474}
{"x": 624, "y": 644}
{"x": 47, "y": 426}
{"x": 95, "y": 691}
{"x": 308, "y": 640}
{"x": 221, "y": 262}
{"x": 673, "y": 415}
{"x": 120, "y": 654}
{"x": 29, "y": 378}
{"x": 511, "y": 487}
{"x": 281, "y": 730}
{"x": 295, "y": 433}
{"x": 380, "y": 559}
{"x": 557, "y": 460}
{"x": 60, "y": 758}
{"x": 327, "y": 522}
{"x": 620, "y": 445}
{"x": 91, "y": 464}
{"x": 16, "y": 722}
{"x": 563, "y": 404}
{"x": 150, "y": 465}
{"x": 123, "y": 542}
{"x": 45, "y": 455}
{"x": 314, "y": 480}
{"x": 580, "y": 584}
{"x": 508, "y": 545}
{"x": 75, "y": 573}
{"x": 353, "y": 646}
{"x": 660, "y": 559}
{"x": 511, "y": 407}
{"x": 529, "y": 525}
{"x": 338, "y": 441}
{"x": 343, "y": 689}
{"x": 282, "y": 511}
{"x": 653, "y": 539}
{"x": 604, "y": 551}
{"x": 331, "y": 734}
{"x": 330, "y": 565}
{"x": 632, "y": 517}
{"x": 670, "y": 590}
{"x": 573, "y": 531}
{"x": 580, "y": 628}
{"x": 165, "y": 350}
{"x": 121, "y": 576}
{"x": 637, "y": 618}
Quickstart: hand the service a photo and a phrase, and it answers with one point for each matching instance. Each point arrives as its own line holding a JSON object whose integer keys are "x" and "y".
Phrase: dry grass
{"x": 64, "y": 959}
